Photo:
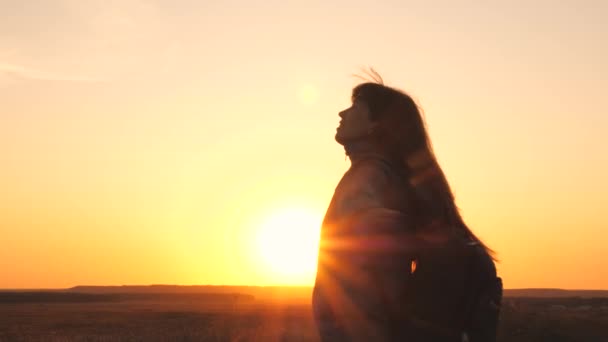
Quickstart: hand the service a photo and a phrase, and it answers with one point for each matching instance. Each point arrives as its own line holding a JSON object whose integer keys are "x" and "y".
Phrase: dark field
{"x": 231, "y": 317}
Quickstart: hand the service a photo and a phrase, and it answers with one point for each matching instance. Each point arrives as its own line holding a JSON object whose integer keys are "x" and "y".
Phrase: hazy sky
{"x": 143, "y": 141}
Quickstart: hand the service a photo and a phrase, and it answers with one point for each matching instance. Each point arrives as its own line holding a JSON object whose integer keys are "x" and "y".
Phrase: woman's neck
{"x": 360, "y": 149}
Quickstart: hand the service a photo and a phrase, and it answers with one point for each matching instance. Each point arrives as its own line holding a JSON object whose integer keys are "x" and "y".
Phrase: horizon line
{"x": 276, "y": 285}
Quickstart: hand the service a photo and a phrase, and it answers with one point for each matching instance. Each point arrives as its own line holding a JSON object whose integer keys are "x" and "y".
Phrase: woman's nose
{"x": 341, "y": 114}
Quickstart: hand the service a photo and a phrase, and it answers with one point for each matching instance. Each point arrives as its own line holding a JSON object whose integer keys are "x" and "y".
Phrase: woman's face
{"x": 355, "y": 123}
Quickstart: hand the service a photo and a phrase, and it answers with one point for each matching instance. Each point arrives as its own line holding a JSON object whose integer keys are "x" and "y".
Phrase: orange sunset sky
{"x": 191, "y": 142}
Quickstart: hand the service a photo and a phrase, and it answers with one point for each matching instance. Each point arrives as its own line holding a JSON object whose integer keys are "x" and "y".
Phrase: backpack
{"x": 481, "y": 314}
{"x": 453, "y": 295}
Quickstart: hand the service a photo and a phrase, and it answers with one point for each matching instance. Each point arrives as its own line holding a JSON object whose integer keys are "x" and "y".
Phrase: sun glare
{"x": 308, "y": 94}
{"x": 287, "y": 242}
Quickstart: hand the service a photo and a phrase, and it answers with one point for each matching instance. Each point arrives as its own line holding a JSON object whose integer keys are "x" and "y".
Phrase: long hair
{"x": 402, "y": 133}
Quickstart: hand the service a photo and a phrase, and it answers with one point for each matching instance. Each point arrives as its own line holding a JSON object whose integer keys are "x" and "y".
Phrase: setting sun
{"x": 287, "y": 242}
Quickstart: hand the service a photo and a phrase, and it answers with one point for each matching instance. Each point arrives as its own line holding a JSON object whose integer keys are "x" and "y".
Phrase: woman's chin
{"x": 339, "y": 138}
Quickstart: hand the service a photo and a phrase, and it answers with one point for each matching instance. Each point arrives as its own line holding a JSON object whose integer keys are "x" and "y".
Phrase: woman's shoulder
{"x": 375, "y": 170}
{"x": 376, "y": 163}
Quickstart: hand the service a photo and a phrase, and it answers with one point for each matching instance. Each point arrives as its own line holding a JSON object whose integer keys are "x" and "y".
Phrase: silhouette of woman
{"x": 396, "y": 260}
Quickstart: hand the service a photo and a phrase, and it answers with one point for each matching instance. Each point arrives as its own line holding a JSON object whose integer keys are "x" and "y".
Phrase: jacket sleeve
{"x": 374, "y": 231}
{"x": 366, "y": 187}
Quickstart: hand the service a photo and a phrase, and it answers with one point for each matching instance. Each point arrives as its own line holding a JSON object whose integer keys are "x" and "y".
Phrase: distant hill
{"x": 265, "y": 292}
{"x": 77, "y": 297}
{"x": 67, "y": 296}
{"x": 158, "y": 289}
{"x": 555, "y": 293}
